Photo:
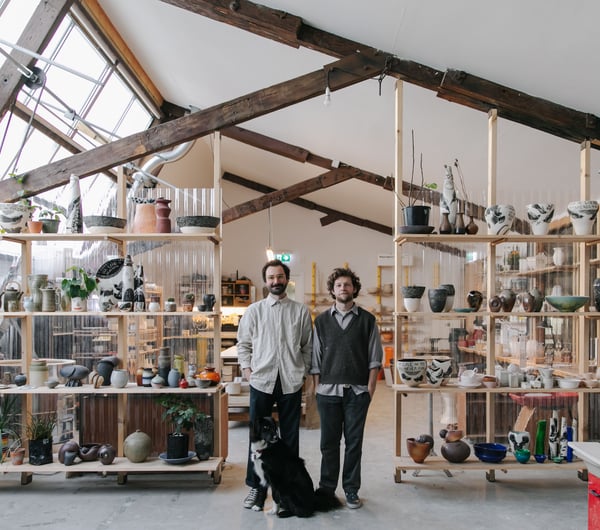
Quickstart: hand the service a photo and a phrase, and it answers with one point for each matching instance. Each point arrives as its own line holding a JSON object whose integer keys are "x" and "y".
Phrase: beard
{"x": 344, "y": 298}
{"x": 277, "y": 289}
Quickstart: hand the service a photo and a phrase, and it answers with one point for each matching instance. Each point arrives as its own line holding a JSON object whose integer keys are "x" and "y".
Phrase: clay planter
{"x": 34, "y": 227}
{"x": 418, "y": 451}
{"x": 17, "y": 456}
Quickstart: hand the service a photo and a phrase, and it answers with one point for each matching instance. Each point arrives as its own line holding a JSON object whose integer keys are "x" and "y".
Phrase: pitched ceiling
{"x": 196, "y": 61}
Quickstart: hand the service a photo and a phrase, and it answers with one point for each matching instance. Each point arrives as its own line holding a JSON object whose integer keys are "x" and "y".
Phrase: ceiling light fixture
{"x": 327, "y": 100}
{"x": 270, "y": 252}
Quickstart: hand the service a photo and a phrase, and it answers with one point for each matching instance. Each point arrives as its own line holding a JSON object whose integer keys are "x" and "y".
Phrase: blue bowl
{"x": 540, "y": 459}
{"x": 522, "y": 455}
{"x": 490, "y": 452}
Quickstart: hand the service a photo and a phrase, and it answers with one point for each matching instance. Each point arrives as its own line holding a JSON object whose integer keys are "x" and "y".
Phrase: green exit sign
{"x": 284, "y": 257}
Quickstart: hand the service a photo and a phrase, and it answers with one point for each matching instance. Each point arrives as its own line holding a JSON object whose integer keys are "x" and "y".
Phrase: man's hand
{"x": 246, "y": 373}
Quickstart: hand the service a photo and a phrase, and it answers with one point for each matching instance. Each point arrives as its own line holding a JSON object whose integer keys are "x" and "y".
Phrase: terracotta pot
{"x": 418, "y": 451}
{"x": 17, "y": 456}
{"x": 34, "y": 227}
{"x": 209, "y": 374}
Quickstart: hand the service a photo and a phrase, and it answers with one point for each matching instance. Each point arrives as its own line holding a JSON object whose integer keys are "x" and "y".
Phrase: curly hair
{"x": 343, "y": 273}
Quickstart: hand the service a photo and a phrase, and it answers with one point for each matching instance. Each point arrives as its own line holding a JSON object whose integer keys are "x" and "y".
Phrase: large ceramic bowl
{"x": 568, "y": 383}
{"x": 412, "y": 291}
{"x": 411, "y": 371}
{"x": 567, "y": 304}
{"x": 490, "y": 452}
{"x": 194, "y": 224}
{"x": 499, "y": 218}
{"x": 103, "y": 224}
{"x": 583, "y": 215}
{"x": 13, "y": 216}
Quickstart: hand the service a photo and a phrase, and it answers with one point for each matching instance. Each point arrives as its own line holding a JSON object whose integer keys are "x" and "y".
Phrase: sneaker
{"x": 353, "y": 501}
{"x": 255, "y": 500}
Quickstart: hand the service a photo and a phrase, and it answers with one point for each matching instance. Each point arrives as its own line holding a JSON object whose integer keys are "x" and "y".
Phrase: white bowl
{"x": 411, "y": 371}
{"x": 568, "y": 383}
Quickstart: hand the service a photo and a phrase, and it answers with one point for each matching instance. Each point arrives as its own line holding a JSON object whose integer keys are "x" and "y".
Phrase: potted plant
{"x": 8, "y": 415}
{"x": 183, "y": 414}
{"x": 50, "y": 218}
{"x": 416, "y": 214}
{"x": 39, "y": 431}
{"x": 78, "y": 287}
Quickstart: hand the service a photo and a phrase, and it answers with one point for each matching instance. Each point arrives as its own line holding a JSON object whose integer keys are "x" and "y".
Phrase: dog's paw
{"x": 257, "y": 508}
{"x": 274, "y": 509}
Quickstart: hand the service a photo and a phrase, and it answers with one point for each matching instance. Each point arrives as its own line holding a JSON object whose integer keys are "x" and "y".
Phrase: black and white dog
{"x": 285, "y": 473}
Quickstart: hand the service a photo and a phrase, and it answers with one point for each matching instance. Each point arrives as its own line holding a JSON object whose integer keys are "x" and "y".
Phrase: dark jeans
{"x": 288, "y": 410}
{"x": 339, "y": 415}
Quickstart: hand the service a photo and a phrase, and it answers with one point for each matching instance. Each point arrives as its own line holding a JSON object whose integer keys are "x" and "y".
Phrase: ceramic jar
{"x": 450, "y": 298}
{"x": 38, "y": 373}
{"x": 106, "y": 454}
{"x": 137, "y": 447}
{"x": 438, "y": 370}
{"x": 36, "y": 283}
{"x": 454, "y": 449}
{"x": 163, "y": 210}
{"x": 583, "y": 215}
{"x": 499, "y": 218}
{"x": 173, "y": 378}
{"x": 170, "y": 305}
{"x": 419, "y": 450}
{"x": 144, "y": 220}
{"x": 474, "y": 300}
{"x": 209, "y": 373}
{"x": 147, "y": 375}
{"x": 540, "y": 215}
{"x": 508, "y": 298}
{"x": 119, "y": 378}
{"x": 437, "y": 299}
{"x": 518, "y": 440}
{"x": 411, "y": 371}
{"x": 558, "y": 256}
{"x": 154, "y": 305}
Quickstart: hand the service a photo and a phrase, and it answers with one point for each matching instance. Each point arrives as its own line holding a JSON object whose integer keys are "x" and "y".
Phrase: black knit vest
{"x": 345, "y": 355}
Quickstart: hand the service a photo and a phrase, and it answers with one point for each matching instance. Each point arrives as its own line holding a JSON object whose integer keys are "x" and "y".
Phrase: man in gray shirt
{"x": 274, "y": 351}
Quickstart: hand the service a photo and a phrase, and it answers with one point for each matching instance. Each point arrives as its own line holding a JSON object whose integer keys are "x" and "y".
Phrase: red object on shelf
{"x": 593, "y": 502}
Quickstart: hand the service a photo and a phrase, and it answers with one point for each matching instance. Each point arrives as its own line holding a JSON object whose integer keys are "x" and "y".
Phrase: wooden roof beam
{"x": 343, "y": 73}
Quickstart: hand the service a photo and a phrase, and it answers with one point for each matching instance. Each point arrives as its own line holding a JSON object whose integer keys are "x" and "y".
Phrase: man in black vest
{"x": 346, "y": 360}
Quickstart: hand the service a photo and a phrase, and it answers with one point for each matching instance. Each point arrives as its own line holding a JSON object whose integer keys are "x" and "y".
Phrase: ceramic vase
{"x": 437, "y": 299}
{"x": 448, "y": 199}
{"x": 540, "y": 438}
{"x": 583, "y": 216}
{"x": 74, "y": 222}
{"x": 456, "y": 452}
{"x": 558, "y": 256}
{"x": 411, "y": 371}
{"x": 474, "y": 300}
{"x": 438, "y": 370}
{"x": 472, "y": 228}
{"x": 418, "y": 451}
{"x": 518, "y": 440}
{"x": 36, "y": 283}
{"x": 209, "y": 373}
{"x": 107, "y": 454}
{"x": 119, "y": 378}
{"x": 450, "y": 298}
{"x": 144, "y": 220}
{"x": 163, "y": 210}
{"x": 499, "y": 218}
{"x": 173, "y": 378}
{"x": 127, "y": 291}
{"x": 137, "y": 446}
{"x": 508, "y": 299}
{"x": 540, "y": 215}
{"x": 445, "y": 226}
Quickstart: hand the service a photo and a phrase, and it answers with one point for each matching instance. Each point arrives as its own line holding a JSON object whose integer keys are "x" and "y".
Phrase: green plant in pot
{"x": 183, "y": 414}
{"x": 39, "y": 430}
{"x": 416, "y": 214}
{"x": 50, "y": 218}
{"x": 8, "y": 423}
{"x": 78, "y": 287}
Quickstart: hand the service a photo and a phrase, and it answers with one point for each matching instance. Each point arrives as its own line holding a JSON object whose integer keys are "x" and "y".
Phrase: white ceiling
{"x": 541, "y": 47}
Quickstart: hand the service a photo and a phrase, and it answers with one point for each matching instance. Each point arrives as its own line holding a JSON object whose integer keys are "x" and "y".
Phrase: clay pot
{"x": 106, "y": 454}
{"x": 456, "y": 452}
{"x": 209, "y": 374}
{"x": 89, "y": 452}
{"x": 17, "y": 456}
{"x": 508, "y": 298}
{"x": 68, "y": 452}
{"x": 137, "y": 447}
{"x": 474, "y": 300}
{"x": 418, "y": 451}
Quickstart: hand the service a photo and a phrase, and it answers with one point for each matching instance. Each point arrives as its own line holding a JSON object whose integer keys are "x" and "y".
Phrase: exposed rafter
{"x": 345, "y": 72}
{"x": 309, "y": 205}
{"x": 453, "y": 85}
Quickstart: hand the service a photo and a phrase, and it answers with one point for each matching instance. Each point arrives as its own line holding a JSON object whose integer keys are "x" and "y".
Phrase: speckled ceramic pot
{"x": 437, "y": 299}
{"x": 540, "y": 215}
{"x": 499, "y": 218}
{"x": 583, "y": 215}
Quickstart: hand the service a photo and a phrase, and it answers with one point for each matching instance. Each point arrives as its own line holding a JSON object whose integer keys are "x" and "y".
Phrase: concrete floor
{"x": 524, "y": 500}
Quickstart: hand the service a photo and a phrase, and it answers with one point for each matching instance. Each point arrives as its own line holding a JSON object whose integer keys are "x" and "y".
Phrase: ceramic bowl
{"x": 583, "y": 215}
{"x": 522, "y": 455}
{"x": 540, "y": 214}
{"x": 567, "y": 304}
{"x": 202, "y": 383}
{"x": 197, "y": 223}
{"x": 411, "y": 371}
{"x": 412, "y": 291}
{"x": 568, "y": 383}
{"x": 540, "y": 459}
{"x": 490, "y": 452}
{"x": 103, "y": 224}
{"x": 499, "y": 218}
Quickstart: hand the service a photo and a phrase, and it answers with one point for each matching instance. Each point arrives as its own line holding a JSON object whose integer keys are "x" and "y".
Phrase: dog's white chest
{"x": 257, "y": 448}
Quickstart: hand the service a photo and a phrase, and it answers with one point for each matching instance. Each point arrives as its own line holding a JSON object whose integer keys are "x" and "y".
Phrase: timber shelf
{"x": 437, "y": 463}
{"x": 120, "y": 467}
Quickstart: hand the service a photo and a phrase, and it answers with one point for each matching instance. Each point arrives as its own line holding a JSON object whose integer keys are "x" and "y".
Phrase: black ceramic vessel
{"x": 437, "y": 299}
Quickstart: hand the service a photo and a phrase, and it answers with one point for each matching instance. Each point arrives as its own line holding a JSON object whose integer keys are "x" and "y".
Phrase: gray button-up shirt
{"x": 275, "y": 338}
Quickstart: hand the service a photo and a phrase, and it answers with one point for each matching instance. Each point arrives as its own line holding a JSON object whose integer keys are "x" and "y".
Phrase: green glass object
{"x": 540, "y": 437}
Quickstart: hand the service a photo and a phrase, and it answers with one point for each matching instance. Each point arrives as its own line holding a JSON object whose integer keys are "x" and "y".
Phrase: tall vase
{"x": 448, "y": 200}
{"x": 74, "y": 224}
{"x": 445, "y": 226}
{"x": 36, "y": 283}
{"x": 472, "y": 227}
{"x": 144, "y": 221}
{"x": 459, "y": 226}
{"x": 127, "y": 291}
{"x": 163, "y": 223}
